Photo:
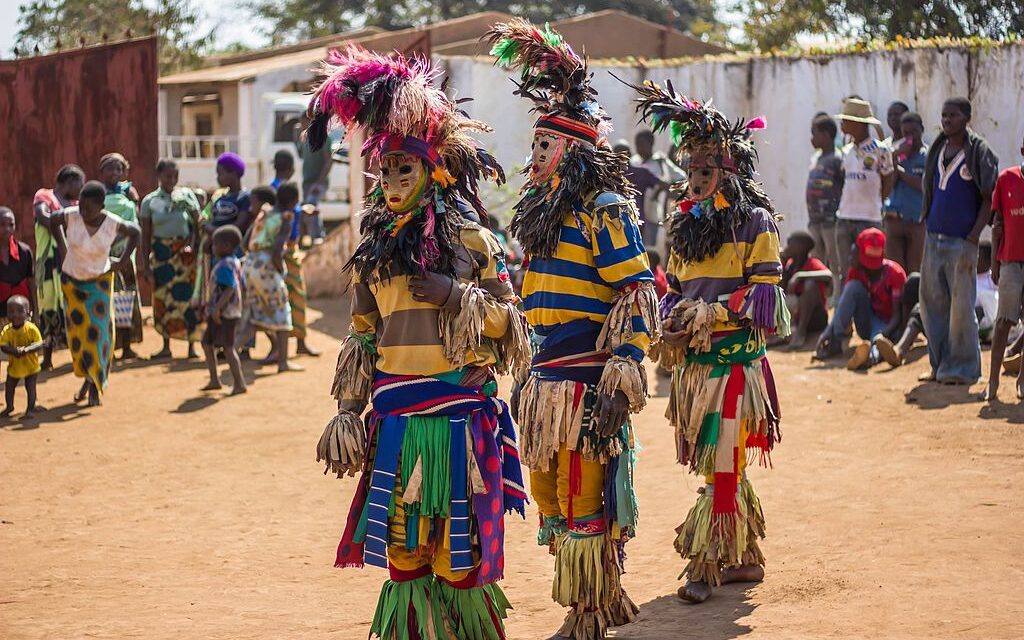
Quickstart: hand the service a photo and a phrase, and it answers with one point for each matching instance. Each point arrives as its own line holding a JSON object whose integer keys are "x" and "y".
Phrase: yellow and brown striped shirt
{"x": 406, "y": 331}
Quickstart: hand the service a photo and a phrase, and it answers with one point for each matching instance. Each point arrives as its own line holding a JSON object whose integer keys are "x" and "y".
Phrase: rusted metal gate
{"x": 73, "y": 107}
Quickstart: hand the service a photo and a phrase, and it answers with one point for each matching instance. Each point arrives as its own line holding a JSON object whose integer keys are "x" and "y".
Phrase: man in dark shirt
{"x": 959, "y": 175}
{"x": 642, "y": 180}
{"x": 824, "y": 188}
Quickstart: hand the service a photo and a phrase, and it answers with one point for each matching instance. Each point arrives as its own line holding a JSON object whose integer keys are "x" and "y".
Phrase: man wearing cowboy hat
{"x": 869, "y": 177}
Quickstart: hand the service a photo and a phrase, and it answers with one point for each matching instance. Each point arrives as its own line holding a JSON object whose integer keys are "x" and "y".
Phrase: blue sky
{"x": 220, "y": 15}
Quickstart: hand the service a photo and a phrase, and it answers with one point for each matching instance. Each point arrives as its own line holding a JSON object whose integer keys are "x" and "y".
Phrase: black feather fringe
{"x": 585, "y": 172}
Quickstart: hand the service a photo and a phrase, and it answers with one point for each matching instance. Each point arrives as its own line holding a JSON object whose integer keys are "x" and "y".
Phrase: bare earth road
{"x": 894, "y": 511}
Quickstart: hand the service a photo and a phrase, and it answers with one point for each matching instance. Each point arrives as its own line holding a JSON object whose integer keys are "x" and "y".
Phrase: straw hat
{"x": 858, "y": 111}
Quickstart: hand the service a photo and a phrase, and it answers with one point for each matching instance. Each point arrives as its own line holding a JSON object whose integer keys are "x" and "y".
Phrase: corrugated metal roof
{"x": 245, "y": 70}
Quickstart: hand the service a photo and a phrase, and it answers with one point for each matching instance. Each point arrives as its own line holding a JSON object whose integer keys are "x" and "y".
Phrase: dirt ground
{"x": 893, "y": 511}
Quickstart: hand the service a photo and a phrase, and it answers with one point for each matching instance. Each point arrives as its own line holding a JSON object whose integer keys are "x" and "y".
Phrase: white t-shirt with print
{"x": 864, "y": 165}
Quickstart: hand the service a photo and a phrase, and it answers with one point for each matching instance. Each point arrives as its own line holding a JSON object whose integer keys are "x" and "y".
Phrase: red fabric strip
{"x": 399, "y": 575}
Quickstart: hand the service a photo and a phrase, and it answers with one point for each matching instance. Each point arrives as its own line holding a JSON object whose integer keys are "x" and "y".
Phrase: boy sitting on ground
{"x": 805, "y": 280}
{"x": 22, "y": 342}
{"x": 871, "y": 301}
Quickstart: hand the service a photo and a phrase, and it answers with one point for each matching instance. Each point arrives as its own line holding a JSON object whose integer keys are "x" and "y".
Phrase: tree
{"x": 777, "y": 23}
{"x": 295, "y": 20}
{"x": 52, "y": 24}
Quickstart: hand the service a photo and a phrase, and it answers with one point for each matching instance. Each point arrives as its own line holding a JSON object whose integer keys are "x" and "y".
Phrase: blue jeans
{"x": 855, "y": 306}
{"x": 949, "y": 288}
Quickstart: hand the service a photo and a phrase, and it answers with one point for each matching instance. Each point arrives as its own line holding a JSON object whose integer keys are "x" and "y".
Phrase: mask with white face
{"x": 546, "y": 154}
{"x": 403, "y": 178}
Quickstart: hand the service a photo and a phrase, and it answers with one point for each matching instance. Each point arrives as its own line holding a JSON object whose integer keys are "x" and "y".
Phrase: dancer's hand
{"x": 612, "y": 411}
{"x": 513, "y": 400}
{"x": 432, "y": 288}
{"x": 672, "y": 334}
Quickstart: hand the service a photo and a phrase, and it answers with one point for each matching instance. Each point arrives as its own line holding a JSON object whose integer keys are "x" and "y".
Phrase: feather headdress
{"x": 552, "y": 76}
{"x": 395, "y": 101}
{"x": 698, "y": 128}
{"x": 556, "y": 80}
{"x": 699, "y": 228}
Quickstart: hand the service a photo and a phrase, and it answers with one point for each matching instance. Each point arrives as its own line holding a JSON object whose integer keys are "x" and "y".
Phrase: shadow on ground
{"x": 335, "y": 316}
{"x": 60, "y": 414}
{"x": 670, "y": 617}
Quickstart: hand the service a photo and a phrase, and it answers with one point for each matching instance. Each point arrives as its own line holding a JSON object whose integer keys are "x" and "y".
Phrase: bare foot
{"x": 83, "y": 392}
{"x": 290, "y": 366}
{"x": 46, "y": 365}
{"x": 743, "y": 573}
{"x": 162, "y": 354}
{"x": 926, "y": 377}
{"x": 1020, "y": 389}
{"x": 32, "y": 411}
{"x": 237, "y": 391}
{"x": 212, "y": 385}
{"x": 128, "y": 354}
{"x": 695, "y": 592}
{"x": 192, "y": 355}
{"x": 6, "y": 412}
{"x": 269, "y": 360}
{"x": 306, "y": 350}
{"x": 94, "y": 399}
{"x": 991, "y": 393}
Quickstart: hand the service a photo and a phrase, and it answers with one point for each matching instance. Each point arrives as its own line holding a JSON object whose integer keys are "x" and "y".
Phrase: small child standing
{"x": 21, "y": 341}
{"x": 224, "y": 307}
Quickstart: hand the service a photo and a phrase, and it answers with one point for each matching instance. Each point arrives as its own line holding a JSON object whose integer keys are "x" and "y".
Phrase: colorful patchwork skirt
{"x": 265, "y": 300}
{"x": 442, "y": 470}
{"x": 50, "y": 294}
{"x": 725, "y": 411}
{"x": 90, "y": 322}
{"x": 296, "y": 289}
{"x": 174, "y": 279}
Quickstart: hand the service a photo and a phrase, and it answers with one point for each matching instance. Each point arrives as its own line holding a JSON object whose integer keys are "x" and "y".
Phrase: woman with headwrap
{"x": 433, "y": 319}
{"x": 229, "y": 204}
{"x": 123, "y": 201}
{"x": 50, "y": 298}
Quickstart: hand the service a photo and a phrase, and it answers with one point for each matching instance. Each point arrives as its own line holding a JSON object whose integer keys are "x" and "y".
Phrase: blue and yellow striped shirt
{"x": 600, "y": 252}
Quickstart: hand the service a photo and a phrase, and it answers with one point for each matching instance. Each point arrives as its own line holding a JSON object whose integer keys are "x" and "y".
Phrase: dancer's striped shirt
{"x": 408, "y": 339}
{"x": 600, "y": 252}
{"x": 753, "y": 258}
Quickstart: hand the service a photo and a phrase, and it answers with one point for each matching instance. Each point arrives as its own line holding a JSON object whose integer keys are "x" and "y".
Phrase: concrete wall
{"x": 788, "y": 92}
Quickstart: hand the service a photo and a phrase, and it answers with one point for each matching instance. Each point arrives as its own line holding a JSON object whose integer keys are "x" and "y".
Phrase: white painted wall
{"x": 788, "y": 93}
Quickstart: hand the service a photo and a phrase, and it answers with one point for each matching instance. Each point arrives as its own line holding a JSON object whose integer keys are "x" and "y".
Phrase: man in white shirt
{"x": 869, "y": 178}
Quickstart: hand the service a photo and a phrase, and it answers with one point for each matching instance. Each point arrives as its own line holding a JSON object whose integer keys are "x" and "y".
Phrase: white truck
{"x": 278, "y": 128}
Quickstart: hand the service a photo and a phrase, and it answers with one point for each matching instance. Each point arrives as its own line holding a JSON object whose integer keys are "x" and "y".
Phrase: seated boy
{"x": 807, "y": 304}
{"x": 871, "y": 301}
{"x": 22, "y": 342}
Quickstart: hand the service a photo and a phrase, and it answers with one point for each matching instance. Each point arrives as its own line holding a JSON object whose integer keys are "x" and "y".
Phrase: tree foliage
{"x": 52, "y": 24}
{"x": 296, "y": 20}
{"x": 777, "y": 23}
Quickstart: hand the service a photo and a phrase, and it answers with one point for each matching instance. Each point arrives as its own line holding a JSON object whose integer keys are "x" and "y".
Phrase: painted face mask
{"x": 547, "y": 153}
{"x": 403, "y": 179}
{"x": 704, "y": 178}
